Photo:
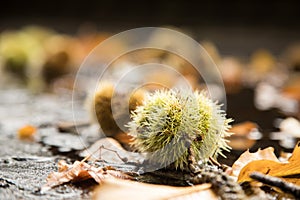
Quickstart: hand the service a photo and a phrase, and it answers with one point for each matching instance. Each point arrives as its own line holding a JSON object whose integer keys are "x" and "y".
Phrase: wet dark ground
{"x": 24, "y": 165}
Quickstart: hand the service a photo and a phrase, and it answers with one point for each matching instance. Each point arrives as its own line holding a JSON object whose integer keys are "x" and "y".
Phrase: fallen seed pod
{"x": 170, "y": 126}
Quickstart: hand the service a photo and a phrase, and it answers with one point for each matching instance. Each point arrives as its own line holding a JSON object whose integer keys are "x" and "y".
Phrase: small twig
{"x": 277, "y": 182}
{"x": 114, "y": 151}
{"x": 221, "y": 166}
{"x": 100, "y": 151}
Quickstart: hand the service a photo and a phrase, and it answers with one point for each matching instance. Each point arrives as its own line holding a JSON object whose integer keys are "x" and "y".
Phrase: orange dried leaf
{"x": 262, "y": 166}
{"x": 295, "y": 181}
{"x": 274, "y": 168}
{"x": 296, "y": 154}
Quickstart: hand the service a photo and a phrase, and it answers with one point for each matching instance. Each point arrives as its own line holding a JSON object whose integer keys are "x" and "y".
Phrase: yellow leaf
{"x": 274, "y": 168}
{"x": 295, "y": 154}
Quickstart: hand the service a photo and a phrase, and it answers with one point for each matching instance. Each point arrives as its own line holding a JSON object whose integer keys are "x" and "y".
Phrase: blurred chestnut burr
{"x": 36, "y": 56}
{"x": 22, "y": 52}
{"x": 111, "y": 110}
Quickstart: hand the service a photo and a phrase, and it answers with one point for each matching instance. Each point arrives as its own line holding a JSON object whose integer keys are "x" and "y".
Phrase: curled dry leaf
{"x": 247, "y": 157}
{"x": 275, "y": 168}
{"x": 80, "y": 171}
{"x": 121, "y": 189}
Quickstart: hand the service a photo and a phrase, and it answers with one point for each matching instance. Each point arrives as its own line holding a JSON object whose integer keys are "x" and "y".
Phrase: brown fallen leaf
{"x": 114, "y": 190}
{"x": 247, "y": 157}
{"x": 274, "y": 168}
{"x": 80, "y": 171}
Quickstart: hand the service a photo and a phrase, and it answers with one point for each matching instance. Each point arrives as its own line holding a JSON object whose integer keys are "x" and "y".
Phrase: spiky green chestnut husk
{"x": 171, "y": 126}
{"x": 102, "y": 104}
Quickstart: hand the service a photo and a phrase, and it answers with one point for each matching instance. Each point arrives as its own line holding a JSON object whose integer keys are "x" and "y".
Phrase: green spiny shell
{"x": 171, "y": 125}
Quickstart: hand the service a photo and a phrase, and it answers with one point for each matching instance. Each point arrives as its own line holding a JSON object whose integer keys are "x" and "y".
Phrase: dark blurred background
{"x": 145, "y": 13}
{"x": 231, "y": 25}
